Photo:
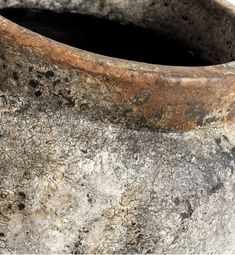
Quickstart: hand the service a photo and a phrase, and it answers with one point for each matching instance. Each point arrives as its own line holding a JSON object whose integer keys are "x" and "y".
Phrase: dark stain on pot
{"x": 177, "y": 201}
{"x": 2, "y": 57}
{"x": 21, "y": 206}
{"x": 215, "y": 188}
{"x": 141, "y": 99}
{"x": 22, "y": 195}
{"x": 231, "y": 114}
{"x": 225, "y": 138}
{"x": 228, "y": 154}
{"x": 233, "y": 152}
{"x": 33, "y": 83}
{"x": 105, "y": 37}
{"x": 56, "y": 82}
{"x": 3, "y": 195}
{"x": 15, "y": 76}
{"x": 89, "y": 199}
{"x": 78, "y": 246}
{"x": 48, "y": 74}
{"x": 188, "y": 211}
{"x": 160, "y": 114}
{"x": 212, "y": 120}
{"x": 197, "y": 110}
{"x": 218, "y": 141}
{"x": 38, "y": 93}
{"x": 69, "y": 100}
{"x": 141, "y": 122}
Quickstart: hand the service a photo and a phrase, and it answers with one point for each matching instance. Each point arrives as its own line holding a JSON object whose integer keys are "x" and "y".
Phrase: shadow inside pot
{"x": 106, "y": 37}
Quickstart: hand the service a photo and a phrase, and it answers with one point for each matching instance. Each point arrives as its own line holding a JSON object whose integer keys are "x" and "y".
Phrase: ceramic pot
{"x": 95, "y": 157}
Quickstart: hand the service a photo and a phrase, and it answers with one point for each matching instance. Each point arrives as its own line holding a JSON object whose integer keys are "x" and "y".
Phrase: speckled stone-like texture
{"x": 70, "y": 183}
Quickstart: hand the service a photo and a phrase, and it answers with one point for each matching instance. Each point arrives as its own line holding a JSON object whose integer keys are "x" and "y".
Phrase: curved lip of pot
{"x": 209, "y": 79}
{"x": 93, "y": 62}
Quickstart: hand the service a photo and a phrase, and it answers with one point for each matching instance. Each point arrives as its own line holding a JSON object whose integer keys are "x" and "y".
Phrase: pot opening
{"x": 107, "y": 37}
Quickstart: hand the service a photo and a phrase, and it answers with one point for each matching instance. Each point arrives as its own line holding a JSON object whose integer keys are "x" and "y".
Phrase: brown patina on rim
{"x": 172, "y": 98}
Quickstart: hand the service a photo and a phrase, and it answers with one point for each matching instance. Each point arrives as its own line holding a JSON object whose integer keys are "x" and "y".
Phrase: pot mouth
{"x": 162, "y": 44}
{"x": 134, "y": 93}
{"x": 105, "y": 37}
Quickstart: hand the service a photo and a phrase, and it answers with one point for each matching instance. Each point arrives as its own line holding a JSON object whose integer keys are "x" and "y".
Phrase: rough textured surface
{"x": 87, "y": 187}
{"x": 73, "y": 185}
{"x": 109, "y": 89}
{"x": 91, "y": 187}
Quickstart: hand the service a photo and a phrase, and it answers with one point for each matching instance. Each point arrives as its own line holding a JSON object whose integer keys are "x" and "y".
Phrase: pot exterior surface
{"x": 73, "y": 186}
{"x": 84, "y": 167}
{"x": 107, "y": 89}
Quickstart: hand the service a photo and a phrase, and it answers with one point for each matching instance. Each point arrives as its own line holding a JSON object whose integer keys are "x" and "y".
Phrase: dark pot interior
{"x": 106, "y": 37}
{"x": 180, "y": 34}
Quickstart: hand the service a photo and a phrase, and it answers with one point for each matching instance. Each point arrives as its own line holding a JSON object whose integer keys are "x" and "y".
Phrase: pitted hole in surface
{"x": 21, "y": 206}
{"x": 22, "y": 195}
{"x": 106, "y": 37}
{"x": 38, "y": 93}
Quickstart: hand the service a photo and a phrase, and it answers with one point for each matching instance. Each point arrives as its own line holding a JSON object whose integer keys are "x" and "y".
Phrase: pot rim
{"x": 96, "y": 63}
{"x": 189, "y": 96}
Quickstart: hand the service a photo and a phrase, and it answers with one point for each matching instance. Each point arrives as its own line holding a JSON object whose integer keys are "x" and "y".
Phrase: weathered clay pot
{"x": 178, "y": 98}
{"x": 86, "y": 164}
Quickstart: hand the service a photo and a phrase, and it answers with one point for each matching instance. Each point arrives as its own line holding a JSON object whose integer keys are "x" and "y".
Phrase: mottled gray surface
{"x": 69, "y": 185}
{"x": 72, "y": 185}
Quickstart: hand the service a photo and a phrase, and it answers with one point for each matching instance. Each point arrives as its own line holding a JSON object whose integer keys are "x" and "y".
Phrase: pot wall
{"x": 71, "y": 183}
